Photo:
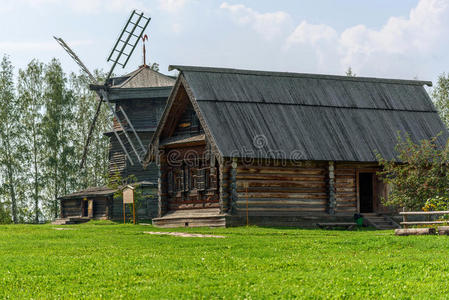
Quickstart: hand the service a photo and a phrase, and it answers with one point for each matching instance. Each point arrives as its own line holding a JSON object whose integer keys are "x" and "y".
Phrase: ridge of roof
{"x": 130, "y": 76}
{"x": 319, "y": 105}
{"x": 297, "y": 75}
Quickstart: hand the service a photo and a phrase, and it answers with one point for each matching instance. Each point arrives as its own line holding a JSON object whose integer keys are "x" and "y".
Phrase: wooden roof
{"x": 103, "y": 191}
{"x": 143, "y": 77}
{"x": 308, "y": 116}
{"x": 91, "y": 192}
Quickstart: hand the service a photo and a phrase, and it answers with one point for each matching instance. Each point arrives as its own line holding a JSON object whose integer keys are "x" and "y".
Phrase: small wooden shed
{"x": 270, "y": 148}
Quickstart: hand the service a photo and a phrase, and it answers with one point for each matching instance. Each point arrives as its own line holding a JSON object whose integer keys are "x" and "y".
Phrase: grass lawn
{"x": 120, "y": 261}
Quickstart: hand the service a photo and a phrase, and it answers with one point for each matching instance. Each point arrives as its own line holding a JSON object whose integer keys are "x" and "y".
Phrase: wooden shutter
{"x": 213, "y": 179}
{"x": 201, "y": 179}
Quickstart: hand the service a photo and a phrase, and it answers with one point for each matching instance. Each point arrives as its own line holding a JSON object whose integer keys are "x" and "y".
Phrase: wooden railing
{"x": 405, "y": 222}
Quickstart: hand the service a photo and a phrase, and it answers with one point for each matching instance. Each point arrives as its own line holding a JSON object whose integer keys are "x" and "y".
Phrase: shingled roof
{"x": 143, "y": 77}
{"x": 309, "y": 116}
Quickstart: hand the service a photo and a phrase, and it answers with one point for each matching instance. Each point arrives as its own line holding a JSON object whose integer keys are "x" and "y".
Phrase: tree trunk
{"x": 36, "y": 179}
{"x": 12, "y": 194}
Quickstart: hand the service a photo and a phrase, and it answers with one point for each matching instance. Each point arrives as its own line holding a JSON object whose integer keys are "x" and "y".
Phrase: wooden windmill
{"x": 120, "y": 54}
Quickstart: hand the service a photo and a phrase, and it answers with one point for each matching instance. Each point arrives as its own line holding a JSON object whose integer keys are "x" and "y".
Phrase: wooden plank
{"x": 444, "y": 212}
{"x": 274, "y": 170}
{"x": 283, "y": 183}
{"x": 284, "y": 195}
{"x": 253, "y": 202}
{"x": 280, "y": 190}
{"x": 424, "y": 222}
{"x": 286, "y": 177}
{"x": 286, "y": 209}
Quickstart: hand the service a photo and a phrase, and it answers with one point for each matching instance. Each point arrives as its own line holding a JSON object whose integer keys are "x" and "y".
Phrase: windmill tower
{"x": 136, "y": 101}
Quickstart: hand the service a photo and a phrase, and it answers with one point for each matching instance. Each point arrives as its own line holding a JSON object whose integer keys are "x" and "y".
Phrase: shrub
{"x": 419, "y": 173}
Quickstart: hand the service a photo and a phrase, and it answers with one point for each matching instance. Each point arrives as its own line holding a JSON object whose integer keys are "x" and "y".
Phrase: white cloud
{"x": 269, "y": 25}
{"x": 416, "y": 38}
{"x": 402, "y": 47}
{"x": 172, "y": 5}
{"x": 311, "y": 34}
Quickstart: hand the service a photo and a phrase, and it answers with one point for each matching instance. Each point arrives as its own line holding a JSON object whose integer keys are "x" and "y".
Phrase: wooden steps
{"x": 70, "y": 220}
{"x": 206, "y": 217}
{"x": 380, "y": 221}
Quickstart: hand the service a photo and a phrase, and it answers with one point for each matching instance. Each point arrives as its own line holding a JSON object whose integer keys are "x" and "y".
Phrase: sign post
{"x": 128, "y": 198}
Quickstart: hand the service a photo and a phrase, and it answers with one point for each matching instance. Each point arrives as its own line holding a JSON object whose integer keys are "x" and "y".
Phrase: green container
{"x": 359, "y": 221}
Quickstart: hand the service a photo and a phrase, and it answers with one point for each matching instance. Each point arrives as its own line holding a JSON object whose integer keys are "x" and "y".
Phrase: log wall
{"x": 71, "y": 208}
{"x": 346, "y": 186}
{"x": 277, "y": 190}
{"x": 101, "y": 207}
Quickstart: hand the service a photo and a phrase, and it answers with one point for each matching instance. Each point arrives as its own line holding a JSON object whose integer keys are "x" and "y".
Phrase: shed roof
{"x": 310, "y": 116}
{"x": 90, "y": 192}
{"x": 103, "y": 191}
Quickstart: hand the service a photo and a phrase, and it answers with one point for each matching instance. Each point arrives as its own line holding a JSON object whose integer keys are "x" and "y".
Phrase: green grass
{"x": 119, "y": 261}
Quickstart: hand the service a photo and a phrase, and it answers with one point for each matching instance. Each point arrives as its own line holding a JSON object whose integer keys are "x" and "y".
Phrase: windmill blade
{"x": 93, "y": 81}
{"x": 76, "y": 59}
{"x": 89, "y": 135}
{"x": 127, "y": 41}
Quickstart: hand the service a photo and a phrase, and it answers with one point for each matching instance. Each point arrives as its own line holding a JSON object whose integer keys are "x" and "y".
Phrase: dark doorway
{"x": 366, "y": 192}
{"x": 85, "y": 208}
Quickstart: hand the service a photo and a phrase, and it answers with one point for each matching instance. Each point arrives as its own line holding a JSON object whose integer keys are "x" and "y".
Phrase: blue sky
{"x": 398, "y": 39}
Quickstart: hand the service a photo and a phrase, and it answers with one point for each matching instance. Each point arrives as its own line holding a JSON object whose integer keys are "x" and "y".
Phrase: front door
{"x": 366, "y": 192}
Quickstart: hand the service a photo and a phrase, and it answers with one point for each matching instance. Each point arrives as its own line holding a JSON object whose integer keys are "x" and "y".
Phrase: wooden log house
{"x": 142, "y": 94}
{"x": 241, "y": 147}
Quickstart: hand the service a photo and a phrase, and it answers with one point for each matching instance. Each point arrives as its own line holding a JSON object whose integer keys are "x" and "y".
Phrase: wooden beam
{"x": 234, "y": 195}
{"x": 220, "y": 188}
{"x": 332, "y": 201}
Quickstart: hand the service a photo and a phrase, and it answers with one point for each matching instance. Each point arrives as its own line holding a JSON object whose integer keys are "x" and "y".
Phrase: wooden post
{"x": 124, "y": 218}
{"x": 332, "y": 200}
{"x": 220, "y": 188}
{"x": 247, "y": 217}
{"x": 90, "y": 208}
{"x": 233, "y": 183}
{"x": 357, "y": 190}
{"x": 134, "y": 212}
{"x": 404, "y": 219}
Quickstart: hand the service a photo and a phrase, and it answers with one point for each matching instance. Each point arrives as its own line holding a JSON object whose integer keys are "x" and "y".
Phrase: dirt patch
{"x": 184, "y": 234}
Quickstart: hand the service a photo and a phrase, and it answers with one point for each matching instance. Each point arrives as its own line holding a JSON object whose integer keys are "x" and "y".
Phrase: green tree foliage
{"x": 96, "y": 166}
{"x": 155, "y": 67}
{"x": 11, "y": 146}
{"x": 60, "y": 162}
{"x": 440, "y": 95}
{"x": 31, "y": 96}
{"x": 350, "y": 73}
{"x": 420, "y": 172}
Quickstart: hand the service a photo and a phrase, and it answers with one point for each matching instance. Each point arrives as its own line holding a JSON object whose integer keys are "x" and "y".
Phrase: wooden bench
{"x": 442, "y": 230}
{"x": 347, "y": 226}
{"x": 405, "y": 222}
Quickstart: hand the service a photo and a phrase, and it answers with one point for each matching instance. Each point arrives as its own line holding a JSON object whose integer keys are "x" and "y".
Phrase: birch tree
{"x": 11, "y": 149}
{"x": 95, "y": 170}
{"x": 57, "y": 136}
{"x": 31, "y": 91}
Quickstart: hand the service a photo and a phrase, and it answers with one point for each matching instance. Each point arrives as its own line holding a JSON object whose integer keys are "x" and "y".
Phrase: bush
{"x": 420, "y": 173}
{"x": 438, "y": 203}
{"x": 5, "y": 217}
